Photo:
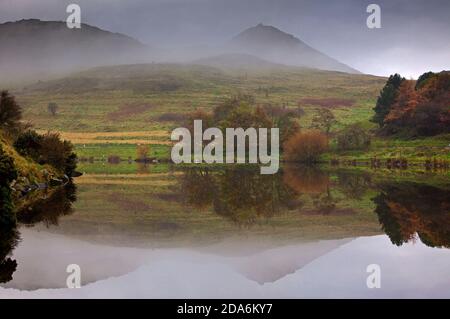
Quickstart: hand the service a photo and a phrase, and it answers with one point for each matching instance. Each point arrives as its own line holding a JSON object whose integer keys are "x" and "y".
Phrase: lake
{"x": 161, "y": 231}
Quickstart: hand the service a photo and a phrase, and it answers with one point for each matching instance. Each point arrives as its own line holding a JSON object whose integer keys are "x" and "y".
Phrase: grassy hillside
{"x": 134, "y": 97}
{"x": 140, "y": 104}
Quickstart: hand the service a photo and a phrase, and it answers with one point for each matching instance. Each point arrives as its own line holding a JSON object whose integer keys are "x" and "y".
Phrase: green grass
{"x": 416, "y": 151}
{"x": 124, "y": 151}
{"x": 87, "y": 109}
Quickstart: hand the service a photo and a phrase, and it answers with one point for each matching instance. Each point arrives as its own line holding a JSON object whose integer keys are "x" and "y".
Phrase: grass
{"x": 125, "y": 151}
{"x": 416, "y": 151}
{"x": 92, "y": 109}
{"x": 109, "y": 110}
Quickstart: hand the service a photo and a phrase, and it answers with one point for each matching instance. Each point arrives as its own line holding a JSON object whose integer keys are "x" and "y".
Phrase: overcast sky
{"x": 414, "y": 38}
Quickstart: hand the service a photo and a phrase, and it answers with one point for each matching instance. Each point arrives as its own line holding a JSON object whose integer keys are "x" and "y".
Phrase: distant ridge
{"x": 38, "y": 48}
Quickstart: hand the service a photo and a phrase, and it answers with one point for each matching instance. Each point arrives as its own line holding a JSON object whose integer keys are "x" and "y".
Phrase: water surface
{"x": 198, "y": 232}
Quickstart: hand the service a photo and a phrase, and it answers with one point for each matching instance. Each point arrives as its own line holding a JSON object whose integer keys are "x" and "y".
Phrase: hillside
{"x": 139, "y": 78}
{"x": 272, "y": 44}
{"x": 37, "y": 49}
{"x": 147, "y": 96}
{"x": 239, "y": 61}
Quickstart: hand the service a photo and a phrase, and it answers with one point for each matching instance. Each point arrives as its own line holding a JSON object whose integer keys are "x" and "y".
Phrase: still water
{"x": 157, "y": 232}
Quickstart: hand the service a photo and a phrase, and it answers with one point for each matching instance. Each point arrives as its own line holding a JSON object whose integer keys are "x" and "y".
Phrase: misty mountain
{"x": 38, "y": 50}
{"x": 274, "y": 45}
{"x": 35, "y": 48}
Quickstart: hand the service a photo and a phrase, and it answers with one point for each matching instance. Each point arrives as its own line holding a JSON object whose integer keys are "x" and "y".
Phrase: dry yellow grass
{"x": 131, "y": 141}
{"x": 128, "y": 176}
{"x": 113, "y": 134}
{"x": 120, "y": 179}
{"x": 121, "y": 137}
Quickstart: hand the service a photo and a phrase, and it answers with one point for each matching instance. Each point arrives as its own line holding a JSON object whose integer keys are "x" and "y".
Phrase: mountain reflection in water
{"x": 302, "y": 204}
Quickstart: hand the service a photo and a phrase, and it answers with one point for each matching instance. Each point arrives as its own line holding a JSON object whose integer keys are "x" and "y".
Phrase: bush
{"x": 8, "y": 171}
{"x": 52, "y": 107}
{"x": 28, "y": 144}
{"x": 47, "y": 149}
{"x": 305, "y": 147}
{"x": 324, "y": 120}
{"x": 353, "y": 137}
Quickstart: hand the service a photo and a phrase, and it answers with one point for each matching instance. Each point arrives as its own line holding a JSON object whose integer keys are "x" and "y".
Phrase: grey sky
{"x": 414, "y": 38}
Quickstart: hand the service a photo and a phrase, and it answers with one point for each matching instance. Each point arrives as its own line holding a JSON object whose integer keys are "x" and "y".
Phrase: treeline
{"x": 414, "y": 108}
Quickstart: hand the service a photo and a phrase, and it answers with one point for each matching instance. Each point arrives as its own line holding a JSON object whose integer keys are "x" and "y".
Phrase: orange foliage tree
{"x": 305, "y": 147}
{"x": 422, "y": 109}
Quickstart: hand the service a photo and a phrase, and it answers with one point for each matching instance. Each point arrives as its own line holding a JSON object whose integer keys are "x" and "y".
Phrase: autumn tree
{"x": 421, "y": 110}
{"x": 432, "y": 114}
{"x": 404, "y": 105}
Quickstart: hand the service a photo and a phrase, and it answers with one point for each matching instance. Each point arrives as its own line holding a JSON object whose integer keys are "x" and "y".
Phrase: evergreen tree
{"x": 386, "y": 98}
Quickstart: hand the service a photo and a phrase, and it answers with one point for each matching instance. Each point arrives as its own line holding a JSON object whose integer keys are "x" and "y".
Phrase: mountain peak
{"x": 275, "y": 45}
{"x": 266, "y": 33}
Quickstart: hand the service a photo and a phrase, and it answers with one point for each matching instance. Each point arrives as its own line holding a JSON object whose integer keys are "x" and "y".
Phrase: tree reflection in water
{"x": 9, "y": 237}
{"x": 406, "y": 209}
{"x": 240, "y": 194}
{"x": 47, "y": 210}
{"x": 243, "y": 195}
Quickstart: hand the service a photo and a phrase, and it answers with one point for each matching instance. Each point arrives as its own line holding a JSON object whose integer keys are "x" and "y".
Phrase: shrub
{"x": 8, "y": 171}
{"x": 47, "y": 149}
{"x": 324, "y": 120}
{"x": 305, "y": 147}
{"x": 57, "y": 153}
{"x": 28, "y": 144}
{"x": 52, "y": 108}
{"x": 353, "y": 137}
